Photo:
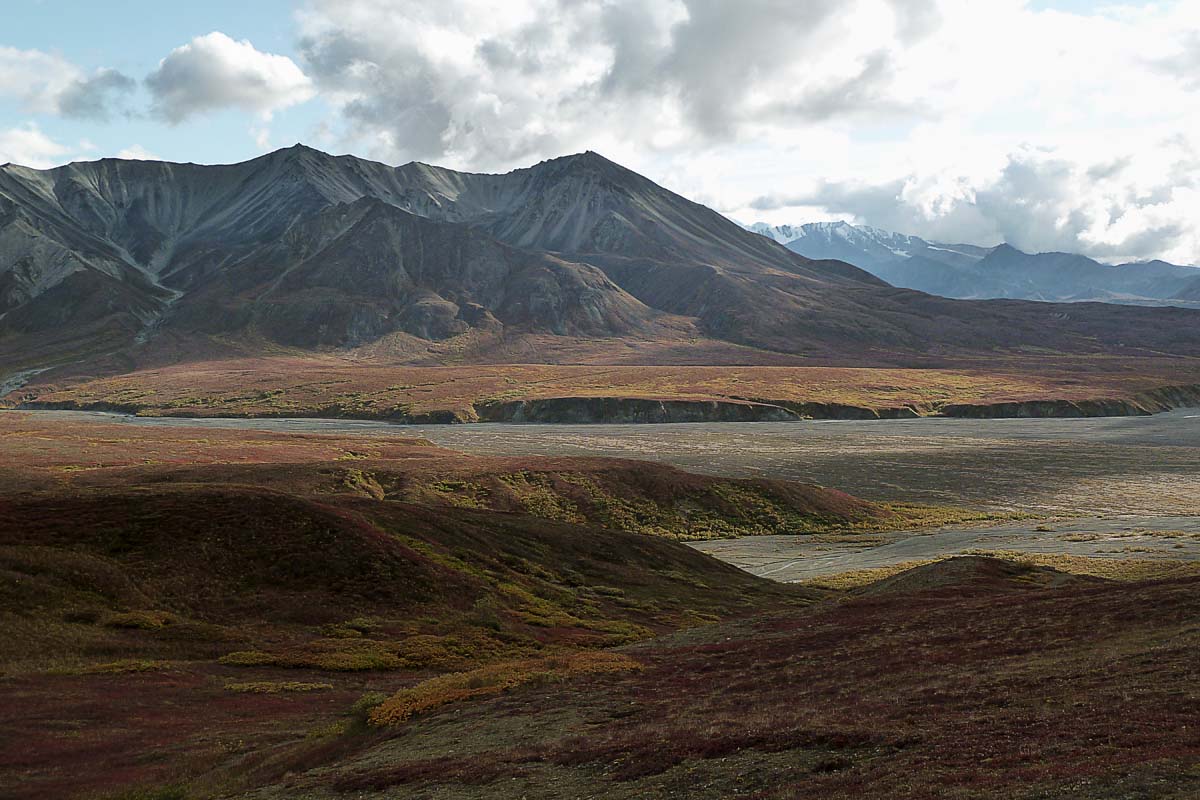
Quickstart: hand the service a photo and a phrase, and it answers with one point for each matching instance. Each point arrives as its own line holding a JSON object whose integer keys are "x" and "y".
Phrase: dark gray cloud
{"x": 1183, "y": 65}
{"x": 392, "y": 88}
{"x": 506, "y": 92}
{"x": 720, "y": 53}
{"x": 1111, "y": 169}
{"x": 97, "y": 97}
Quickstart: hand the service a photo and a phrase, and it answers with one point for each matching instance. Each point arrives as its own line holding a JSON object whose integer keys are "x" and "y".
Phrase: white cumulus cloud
{"x": 28, "y": 146}
{"x": 214, "y": 72}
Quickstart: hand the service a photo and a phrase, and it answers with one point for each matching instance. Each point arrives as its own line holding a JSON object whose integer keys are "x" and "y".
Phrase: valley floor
{"x": 201, "y": 609}
{"x": 1141, "y": 466}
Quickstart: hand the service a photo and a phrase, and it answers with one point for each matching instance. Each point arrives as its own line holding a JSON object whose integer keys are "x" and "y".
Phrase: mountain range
{"x": 146, "y": 261}
{"x": 972, "y": 272}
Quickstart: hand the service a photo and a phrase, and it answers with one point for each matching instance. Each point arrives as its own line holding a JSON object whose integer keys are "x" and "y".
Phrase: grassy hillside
{"x": 140, "y": 614}
{"x": 986, "y": 683}
{"x": 192, "y": 613}
{"x": 337, "y": 387}
{"x": 47, "y": 454}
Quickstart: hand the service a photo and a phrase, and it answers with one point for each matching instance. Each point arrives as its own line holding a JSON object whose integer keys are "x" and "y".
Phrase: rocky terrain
{"x": 116, "y": 263}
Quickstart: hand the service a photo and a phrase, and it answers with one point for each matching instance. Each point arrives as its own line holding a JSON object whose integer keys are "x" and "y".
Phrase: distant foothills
{"x": 972, "y": 272}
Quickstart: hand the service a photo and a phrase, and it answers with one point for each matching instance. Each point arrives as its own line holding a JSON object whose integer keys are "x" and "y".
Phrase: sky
{"x": 1064, "y": 125}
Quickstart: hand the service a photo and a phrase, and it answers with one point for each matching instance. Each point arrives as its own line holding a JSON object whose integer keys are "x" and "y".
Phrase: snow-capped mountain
{"x": 864, "y": 246}
{"x": 967, "y": 271}
{"x": 780, "y": 233}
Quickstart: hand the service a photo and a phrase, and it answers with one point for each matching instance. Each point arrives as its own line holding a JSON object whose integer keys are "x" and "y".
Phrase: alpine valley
{"x": 115, "y": 275}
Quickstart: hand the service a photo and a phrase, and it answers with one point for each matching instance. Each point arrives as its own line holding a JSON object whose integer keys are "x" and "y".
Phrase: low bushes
{"x": 276, "y": 687}
{"x": 494, "y": 679}
{"x": 337, "y": 655}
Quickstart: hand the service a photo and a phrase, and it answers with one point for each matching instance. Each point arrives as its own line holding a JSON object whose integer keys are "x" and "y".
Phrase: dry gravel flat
{"x": 1145, "y": 466}
{"x": 799, "y": 558}
{"x": 1123, "y": 465}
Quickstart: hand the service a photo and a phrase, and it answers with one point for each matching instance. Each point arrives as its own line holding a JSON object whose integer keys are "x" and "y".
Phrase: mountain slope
{"x": 358, "y": 271}
{"x": 586, "y": 204}
{"x": 1190, "y": 291}
{"x": 147, "y": 262}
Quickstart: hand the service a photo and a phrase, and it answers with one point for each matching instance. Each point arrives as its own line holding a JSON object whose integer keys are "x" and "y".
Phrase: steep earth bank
{"x": 627, "y": 410}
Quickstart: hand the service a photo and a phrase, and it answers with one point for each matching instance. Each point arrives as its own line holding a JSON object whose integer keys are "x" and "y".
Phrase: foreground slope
{"x": 177, "y": 621}
{"x": 989, "y": 684}
{"x": 197, "y": 600}
{"x": 195, "y": 613}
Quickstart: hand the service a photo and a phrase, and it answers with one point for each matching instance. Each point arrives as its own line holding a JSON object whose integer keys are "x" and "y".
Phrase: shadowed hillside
{"x": 992, "y": 686}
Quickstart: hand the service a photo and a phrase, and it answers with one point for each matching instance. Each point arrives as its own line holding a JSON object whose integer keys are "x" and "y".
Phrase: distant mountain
{"x": 865, "y": 247}
{"x": 1190, "y": 293}
{"x": 971, "y": 272}
{"x": 143, "y": 261}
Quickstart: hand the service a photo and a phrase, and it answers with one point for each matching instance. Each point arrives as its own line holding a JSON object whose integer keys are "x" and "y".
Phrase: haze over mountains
{"x": 973, "y": 272}
{"x": 300, "y": 249}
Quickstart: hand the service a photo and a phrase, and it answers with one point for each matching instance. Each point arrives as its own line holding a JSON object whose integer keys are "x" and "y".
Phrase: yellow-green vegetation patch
{"x": 336, "y": 655}
{"x": 463, "y": 648}
{"x": 857, "y": 578}
{"x": 429, "y": 651}
{"x": 537, "y": 611}
{"x": 619, "y": 632}
{"x": 462, "y": 494}
{"x": 494, "y": 679}
{"x": 920, "y": 516}
{"x": 536, "y": 494}
{"x": 121, "y": 667}
{"x": 249, "y": 658}
{"x": 360, "y": 482}
{"x": 366, "y": 656}
{"x": 637, "y": 515}
{"x": 276, "y": 687}
{"x": 723, "y": 511}
{"x": 350, "y": 629}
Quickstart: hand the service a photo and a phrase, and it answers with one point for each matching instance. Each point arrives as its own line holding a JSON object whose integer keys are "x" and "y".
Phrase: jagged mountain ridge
{"x": 219, "y": 249}
{"x": 361, "y": 270}
{"x": 972, "y": 272}
{"x": 309, "y": 250}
